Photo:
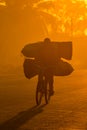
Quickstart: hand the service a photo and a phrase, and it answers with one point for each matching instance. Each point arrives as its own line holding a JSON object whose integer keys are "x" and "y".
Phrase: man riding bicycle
{"x": 46, "y": 60}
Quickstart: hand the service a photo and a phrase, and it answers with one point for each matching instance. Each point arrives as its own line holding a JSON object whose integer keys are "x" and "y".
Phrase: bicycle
{"x": 43, "y": 90}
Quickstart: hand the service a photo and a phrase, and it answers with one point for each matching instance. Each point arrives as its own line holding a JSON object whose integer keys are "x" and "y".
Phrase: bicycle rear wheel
{"x": 47, "y": 93}
{"x": 39, "y": 93}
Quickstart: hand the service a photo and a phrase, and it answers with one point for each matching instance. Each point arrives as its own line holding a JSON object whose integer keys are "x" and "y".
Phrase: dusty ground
{"x": 67, "y": 109}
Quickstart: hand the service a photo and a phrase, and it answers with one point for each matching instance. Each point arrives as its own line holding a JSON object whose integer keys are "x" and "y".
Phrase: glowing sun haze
{"x": 58, "y": 19}
{"x": 2, "y": 3}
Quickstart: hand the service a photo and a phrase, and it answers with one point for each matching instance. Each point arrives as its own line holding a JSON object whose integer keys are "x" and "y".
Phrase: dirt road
{"x": 67, "y": 109}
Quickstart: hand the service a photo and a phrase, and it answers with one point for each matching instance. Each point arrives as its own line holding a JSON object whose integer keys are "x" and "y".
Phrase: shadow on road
{"x": 20, "y": 119}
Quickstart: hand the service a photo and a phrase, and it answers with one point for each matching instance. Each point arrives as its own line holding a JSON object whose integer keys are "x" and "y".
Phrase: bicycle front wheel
{"x": 47, "y": 93}
{"x": 39, "y": 94}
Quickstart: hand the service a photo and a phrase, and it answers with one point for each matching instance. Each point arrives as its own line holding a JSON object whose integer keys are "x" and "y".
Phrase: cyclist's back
{"x": 47, "y": 54}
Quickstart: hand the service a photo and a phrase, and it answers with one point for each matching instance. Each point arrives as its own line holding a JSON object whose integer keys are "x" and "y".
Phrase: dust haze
{"x": 27, "y": 22}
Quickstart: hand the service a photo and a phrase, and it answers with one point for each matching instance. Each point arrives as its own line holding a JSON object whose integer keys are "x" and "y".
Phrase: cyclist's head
{"x": 47, "y": 40}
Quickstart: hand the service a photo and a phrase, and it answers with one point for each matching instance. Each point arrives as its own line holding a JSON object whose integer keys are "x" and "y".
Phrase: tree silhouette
{"x": 64, "y": 16}
{"x": 56, "y": 16}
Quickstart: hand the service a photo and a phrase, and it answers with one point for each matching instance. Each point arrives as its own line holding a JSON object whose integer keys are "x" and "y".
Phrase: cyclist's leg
{"x": 51, "y": 82}
{"x": 40, "y": 77}
{"x": 50, "y": 79}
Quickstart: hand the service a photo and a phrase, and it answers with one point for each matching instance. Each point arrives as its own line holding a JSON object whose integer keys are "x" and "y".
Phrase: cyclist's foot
{"x": 51, "y": 93}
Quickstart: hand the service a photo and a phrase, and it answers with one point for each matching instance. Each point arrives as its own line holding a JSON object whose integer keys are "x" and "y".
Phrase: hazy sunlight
{"x": 3, "y": 3}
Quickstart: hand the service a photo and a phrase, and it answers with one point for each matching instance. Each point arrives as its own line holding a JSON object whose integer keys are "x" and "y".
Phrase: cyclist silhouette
{"x": 46, "y": 60}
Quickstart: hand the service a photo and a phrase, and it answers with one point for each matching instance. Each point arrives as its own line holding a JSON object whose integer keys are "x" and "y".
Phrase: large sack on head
{"x": 58, "y": 49}
{"x": 62, "y": 69}
{"x": 31, "y": 50}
